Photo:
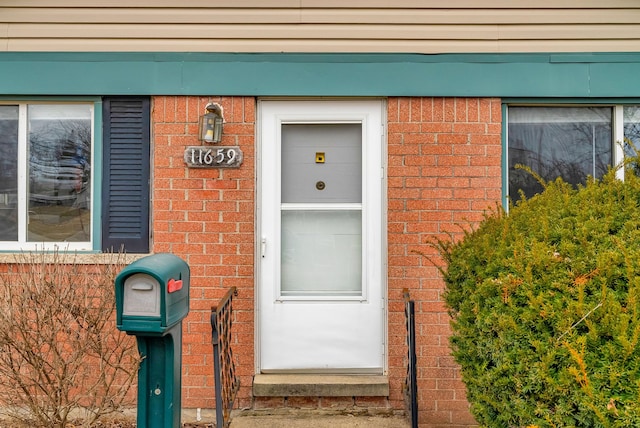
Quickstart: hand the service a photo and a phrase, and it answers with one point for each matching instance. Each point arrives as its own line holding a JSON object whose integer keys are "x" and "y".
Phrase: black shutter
{"x": 125, "y": 186}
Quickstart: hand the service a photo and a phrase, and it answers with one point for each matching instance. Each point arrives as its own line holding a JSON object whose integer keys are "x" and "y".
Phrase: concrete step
{"x": 309, "y": 385}
{"x": 311, "y": 420}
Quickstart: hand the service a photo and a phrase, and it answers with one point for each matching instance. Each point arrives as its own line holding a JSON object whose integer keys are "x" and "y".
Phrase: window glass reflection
{"x": 8, "y": 173}
{"x": 59, "y": 171}
{"x": 632, "y": 134}
{"x": 568, "y": 142}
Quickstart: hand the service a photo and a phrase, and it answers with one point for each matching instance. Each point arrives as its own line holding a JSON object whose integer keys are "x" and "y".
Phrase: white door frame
{"x": 339, "y": 111}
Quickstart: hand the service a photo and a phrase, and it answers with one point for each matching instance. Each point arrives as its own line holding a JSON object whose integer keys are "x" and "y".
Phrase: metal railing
{"x": 411, "y": 381}
{"x": 226, "y": 382}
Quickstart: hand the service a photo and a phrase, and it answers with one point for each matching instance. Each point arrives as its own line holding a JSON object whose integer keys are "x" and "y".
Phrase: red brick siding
{"x": 91, "y": 284}
{"x": 444, "y": 170}
{"x": 206, "y": 216}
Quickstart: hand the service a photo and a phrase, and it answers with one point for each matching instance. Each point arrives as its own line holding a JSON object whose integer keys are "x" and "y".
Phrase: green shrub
{"x": 545, "y": 310}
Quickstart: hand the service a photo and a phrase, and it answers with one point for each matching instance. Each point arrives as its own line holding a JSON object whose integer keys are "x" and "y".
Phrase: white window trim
{"x": 618, "y": 137}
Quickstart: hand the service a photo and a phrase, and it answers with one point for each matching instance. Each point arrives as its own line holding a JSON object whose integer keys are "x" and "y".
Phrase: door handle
{"x": 263, "y": 246}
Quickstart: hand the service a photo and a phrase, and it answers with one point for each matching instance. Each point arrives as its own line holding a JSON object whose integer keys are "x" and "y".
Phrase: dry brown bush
{"x": 62, "y": 361}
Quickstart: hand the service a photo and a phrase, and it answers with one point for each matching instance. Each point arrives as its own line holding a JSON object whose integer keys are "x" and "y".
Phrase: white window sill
{"x": 70, "y": 257}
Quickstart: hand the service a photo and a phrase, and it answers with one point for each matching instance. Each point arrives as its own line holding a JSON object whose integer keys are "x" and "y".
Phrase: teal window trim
{"x": 48, "y": 98}
{"x": 505, "y": 157}
{"x": 570, "y": 101}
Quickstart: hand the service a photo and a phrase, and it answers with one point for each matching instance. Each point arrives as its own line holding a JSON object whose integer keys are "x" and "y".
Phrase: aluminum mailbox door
{"x": 320, "y": 293}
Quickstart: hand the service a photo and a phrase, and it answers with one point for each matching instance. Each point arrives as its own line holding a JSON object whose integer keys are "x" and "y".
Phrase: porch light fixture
{"x": 210, "y": 124}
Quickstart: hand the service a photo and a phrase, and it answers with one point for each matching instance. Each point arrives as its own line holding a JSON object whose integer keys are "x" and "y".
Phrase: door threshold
{"x": 318, "y": 385}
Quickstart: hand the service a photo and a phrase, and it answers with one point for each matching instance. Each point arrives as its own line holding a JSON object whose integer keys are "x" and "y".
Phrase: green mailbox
{"x": 152, "y": 299}
{"x": 152, "y": 294}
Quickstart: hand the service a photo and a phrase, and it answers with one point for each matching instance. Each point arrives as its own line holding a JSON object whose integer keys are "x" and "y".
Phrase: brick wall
{"x": 444, "y": 170}
{"x": 206, "y": 216}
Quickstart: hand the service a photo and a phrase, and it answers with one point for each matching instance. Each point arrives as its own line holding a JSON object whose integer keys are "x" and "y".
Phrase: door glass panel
{"x": 321, "y": 211}
{"x": 8, "y": 173}
{"x": 59, "y": 173}
{"x": 327, "y": 153}
{"x": 321, "y": 252}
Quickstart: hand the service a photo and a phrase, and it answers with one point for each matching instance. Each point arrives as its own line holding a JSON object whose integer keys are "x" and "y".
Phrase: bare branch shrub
{"x": 62, "y": 360}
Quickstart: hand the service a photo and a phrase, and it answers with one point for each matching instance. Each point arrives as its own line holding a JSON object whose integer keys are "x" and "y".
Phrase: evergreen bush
{"x": 545, "y": 308}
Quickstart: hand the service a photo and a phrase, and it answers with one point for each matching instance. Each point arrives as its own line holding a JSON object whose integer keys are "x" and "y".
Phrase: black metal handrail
{"x": 411, "y": 381}
{"x": 224, "y": 371}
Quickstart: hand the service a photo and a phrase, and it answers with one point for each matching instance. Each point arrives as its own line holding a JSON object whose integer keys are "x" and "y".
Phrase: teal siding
{"x": 507, "y": 75}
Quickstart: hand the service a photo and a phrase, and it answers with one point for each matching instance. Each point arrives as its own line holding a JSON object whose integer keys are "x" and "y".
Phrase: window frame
{"x": 95, "y": 104}
{"x": 617, "y": 129}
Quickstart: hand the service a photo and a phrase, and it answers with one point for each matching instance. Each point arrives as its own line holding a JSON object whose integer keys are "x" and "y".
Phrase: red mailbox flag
{"x": 174, "y": 285}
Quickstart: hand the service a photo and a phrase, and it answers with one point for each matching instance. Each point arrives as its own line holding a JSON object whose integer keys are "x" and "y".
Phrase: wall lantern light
{"x": 210, "y": 124}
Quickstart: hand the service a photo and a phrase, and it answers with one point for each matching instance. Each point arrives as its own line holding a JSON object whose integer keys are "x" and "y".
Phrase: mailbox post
{"x": 152, "y": 299}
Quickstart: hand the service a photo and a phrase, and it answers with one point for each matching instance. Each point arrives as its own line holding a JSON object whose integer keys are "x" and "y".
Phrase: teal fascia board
{"x": 566, "y": 75}
{"x": 615, "y": 80}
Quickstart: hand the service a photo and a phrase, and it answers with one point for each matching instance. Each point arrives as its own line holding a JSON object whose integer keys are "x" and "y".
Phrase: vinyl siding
{"x": 416, "y": 26}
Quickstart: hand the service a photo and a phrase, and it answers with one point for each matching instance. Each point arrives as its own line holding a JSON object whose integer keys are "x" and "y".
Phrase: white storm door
{"x": 320, "y": 293}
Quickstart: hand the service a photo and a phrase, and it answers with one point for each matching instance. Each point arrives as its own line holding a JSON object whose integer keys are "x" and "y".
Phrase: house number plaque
{"x": 213, "y": 157}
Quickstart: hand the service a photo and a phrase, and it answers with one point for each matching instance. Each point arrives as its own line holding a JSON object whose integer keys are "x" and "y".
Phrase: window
{"x": 631, "y": 129}
{"x": 572, "y": 142}
{"x": 45, "y": 188}
{"x": 52, "y": 155}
